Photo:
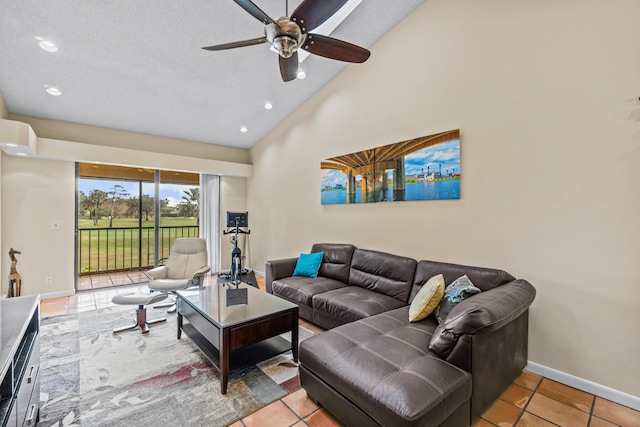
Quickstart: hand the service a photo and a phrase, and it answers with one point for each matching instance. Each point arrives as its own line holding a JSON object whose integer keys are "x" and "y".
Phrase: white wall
{"x": 35, "y": 193}
{"x": 99, "y": 136}
{"x": 545, "y": 94}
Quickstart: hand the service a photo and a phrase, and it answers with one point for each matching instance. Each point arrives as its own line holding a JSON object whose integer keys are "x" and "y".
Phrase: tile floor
{"x": 531, "y": 401}
{"x": 107, "y": 280}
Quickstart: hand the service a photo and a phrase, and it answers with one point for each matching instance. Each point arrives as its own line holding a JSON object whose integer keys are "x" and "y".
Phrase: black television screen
{"x": 241, "y": 217}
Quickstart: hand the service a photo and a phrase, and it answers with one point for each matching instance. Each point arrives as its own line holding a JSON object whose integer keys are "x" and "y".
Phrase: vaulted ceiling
{"x": 137, "y": 65}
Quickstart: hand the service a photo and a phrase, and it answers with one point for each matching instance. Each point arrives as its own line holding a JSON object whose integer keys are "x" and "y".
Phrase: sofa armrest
{"x": 158, "y": 273}
{"x": 483, "y": 312}
{"x": 278, "y": 269}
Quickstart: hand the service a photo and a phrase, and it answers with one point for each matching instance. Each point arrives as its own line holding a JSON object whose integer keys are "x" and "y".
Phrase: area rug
{"x": 92, "y": 377}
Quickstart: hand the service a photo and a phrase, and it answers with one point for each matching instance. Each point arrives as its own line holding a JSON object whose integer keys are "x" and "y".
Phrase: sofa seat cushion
{"x": 301, "y": 290}
{"x": 383, "y": 365}
{"x": 354, "y": 303}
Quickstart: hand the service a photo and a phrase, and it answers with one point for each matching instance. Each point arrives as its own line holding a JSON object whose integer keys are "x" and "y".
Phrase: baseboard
{"x": 585, "y": 385}
{"x": 60, "y": 294}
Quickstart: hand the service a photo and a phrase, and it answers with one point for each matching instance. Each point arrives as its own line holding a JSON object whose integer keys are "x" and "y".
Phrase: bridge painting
{"x": 426, "y": 168}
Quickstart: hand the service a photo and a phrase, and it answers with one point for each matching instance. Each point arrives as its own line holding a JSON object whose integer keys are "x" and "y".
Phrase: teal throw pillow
{"x": 308, "y": 264}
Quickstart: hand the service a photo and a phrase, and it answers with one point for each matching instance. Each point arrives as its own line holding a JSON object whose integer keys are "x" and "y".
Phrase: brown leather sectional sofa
{"x": 373, "y": 367}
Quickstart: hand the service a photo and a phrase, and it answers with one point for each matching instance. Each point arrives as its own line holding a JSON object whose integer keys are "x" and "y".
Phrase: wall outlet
{"x": 49, "y": 280}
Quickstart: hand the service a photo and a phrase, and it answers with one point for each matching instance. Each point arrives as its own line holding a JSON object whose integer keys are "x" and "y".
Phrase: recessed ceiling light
{"x": 301, "y": 75}
{"x": 54, "y": 91}
{"x": 48, "y": 46}
{"x": 11, "y": 145}
{"x": 21, "y": 154}
{"x": 268, "y": 105}
{"x": 244, "y": 129}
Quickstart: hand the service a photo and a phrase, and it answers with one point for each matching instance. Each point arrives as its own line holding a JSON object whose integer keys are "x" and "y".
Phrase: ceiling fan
{"x": 287, "y": 34}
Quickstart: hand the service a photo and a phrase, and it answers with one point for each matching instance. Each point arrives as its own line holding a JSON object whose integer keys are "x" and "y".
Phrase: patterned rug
{"x": 92, "y": 377}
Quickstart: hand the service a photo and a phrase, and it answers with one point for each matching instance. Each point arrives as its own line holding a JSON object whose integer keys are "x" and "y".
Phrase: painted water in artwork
{"x": 426, "y": 168}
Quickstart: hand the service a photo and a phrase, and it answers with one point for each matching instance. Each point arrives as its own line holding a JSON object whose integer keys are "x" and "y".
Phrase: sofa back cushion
{"x": 336, "y": 261}
{"x": 482, "y": 278}
{"x": 387, "y": 274}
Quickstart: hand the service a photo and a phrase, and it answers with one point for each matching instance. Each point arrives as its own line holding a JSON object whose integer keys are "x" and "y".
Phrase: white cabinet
{"x": 20, "y": 359}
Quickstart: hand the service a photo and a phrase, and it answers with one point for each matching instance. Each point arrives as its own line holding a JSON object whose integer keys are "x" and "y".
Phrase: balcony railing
{"x": 125, "y": 248}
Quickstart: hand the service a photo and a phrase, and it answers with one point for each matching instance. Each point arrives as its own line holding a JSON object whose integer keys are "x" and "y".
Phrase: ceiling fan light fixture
{"x": 286, "y": 45}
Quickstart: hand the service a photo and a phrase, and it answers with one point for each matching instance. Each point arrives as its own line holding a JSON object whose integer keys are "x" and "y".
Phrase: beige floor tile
{"x": 502, "y": 414}
{"x": 517, "y": 395}
{"x": 276, "y": 414}
{"x": 102, "y": 284}
{"x": 529, "y": 420}
{"x": 84, "y": 284}
{"x": 528, "y": 380}
{"x": 322, "y": 418}
{"x": 616, "y": 413}
{"x": 557, "y": 412}
{"x": 84, "y": 302}
{"x": 599, "y": 422}
{"x": 54, "y": 307}
{"x": 567, "y": 395}
{"x": 300, "y": 403}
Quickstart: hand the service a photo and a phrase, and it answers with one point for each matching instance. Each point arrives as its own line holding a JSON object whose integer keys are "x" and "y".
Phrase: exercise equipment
{"x": 235, "y": 222}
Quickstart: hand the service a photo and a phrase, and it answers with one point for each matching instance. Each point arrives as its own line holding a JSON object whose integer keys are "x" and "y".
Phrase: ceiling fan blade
{"x": 255, "y": 11}
{"x": 237, "y": 44}
{"x": 335, "y": 49}
{"x": 289, "y": 67}
{"x": 312, "y": 13}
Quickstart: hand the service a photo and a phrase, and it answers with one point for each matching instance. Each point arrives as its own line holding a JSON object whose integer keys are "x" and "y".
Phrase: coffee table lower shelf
{"x": 242, "y": 357}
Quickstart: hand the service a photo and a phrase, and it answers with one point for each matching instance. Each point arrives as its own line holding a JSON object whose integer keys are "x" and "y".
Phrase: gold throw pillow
{"x": 427, "y": 299}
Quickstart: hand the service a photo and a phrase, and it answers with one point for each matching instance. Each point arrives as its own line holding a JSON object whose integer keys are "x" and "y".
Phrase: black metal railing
{"x": 102, "y": 250}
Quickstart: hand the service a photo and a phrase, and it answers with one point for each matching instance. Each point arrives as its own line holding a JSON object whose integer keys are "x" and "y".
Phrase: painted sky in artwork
{"x": 446, "y": 154}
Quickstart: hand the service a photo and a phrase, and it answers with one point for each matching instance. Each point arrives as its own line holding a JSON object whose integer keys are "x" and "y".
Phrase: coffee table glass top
{"x": 212, "y": 301}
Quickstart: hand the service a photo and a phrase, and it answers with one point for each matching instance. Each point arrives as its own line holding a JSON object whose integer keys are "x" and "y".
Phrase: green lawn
{"x": 123, "y": 246}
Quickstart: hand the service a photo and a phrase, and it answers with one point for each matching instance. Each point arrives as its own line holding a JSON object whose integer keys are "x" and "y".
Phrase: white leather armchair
{"x": 185, "y": 267}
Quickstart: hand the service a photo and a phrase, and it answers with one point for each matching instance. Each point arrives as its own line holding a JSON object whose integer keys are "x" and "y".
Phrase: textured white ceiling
{"x": 137, "y": 65}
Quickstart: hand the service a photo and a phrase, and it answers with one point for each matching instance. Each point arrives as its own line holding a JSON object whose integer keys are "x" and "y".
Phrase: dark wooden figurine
{"x": 15, "y": 280}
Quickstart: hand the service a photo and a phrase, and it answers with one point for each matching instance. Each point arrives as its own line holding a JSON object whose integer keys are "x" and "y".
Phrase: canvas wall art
{"x": 426, "y": 168}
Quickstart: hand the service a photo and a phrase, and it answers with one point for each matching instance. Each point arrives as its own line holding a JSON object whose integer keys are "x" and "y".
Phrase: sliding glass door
{"x": 127, "y": 221}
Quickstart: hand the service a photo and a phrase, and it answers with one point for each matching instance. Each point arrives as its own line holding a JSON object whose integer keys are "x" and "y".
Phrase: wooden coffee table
{"x": 237, "y": 336}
